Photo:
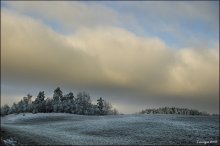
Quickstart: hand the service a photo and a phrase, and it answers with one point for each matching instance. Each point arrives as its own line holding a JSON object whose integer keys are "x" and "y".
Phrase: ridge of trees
{"x": 59, "y": 103}
{"x": 173, "y": 110}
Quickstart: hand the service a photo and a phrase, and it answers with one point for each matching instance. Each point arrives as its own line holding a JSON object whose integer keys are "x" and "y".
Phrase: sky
{"x": 135, "y": 55}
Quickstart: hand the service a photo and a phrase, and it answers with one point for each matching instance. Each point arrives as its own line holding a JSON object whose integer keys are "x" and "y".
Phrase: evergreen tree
{"x": 83, "y": 103}
{"x": 20, "y": 107}
{"x": 59, "y": 103}
{"x": 13, "y": 108}
{"x": 57, "y": 97}
{"x": 30, "y": 106}
{"x": 39, "y": 103}
{"x": 48, "y": 105}
{"x": 100, "y": 105}
{"x": 58, "y": 94}
{"x": 173, "y": 110}
{"x": 5, "y": 110}
{"x": 71, "y": 102}
{"x": 68, "y": 103}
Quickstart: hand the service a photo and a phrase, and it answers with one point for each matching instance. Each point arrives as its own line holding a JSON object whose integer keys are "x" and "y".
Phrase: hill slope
{"x": 59, "y": 128}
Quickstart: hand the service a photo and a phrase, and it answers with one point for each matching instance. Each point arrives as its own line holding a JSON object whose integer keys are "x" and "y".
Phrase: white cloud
{"x": 195, "y": 73}
{"x": 104, "y": 56}
{"x": 32, "y": 49}
{"x": 70, "y": 15}
{"x": 118, "y": 56}
{"x": 178, "y": 20}
{"x": 147, "y": 64}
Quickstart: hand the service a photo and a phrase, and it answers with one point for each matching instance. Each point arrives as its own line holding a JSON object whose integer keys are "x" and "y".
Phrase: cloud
{"x": 147, "y": 64}
{"x": 31, "y": 49}
{"x": 177, "y": 23}
{"x": 70, "y": 15}
{"x": 123, "y": 59}
{"x": 195, "y": 72}
{"x": 106, "y": 58}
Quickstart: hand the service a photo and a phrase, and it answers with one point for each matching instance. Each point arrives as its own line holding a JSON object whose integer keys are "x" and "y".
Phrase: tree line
{"x": 59, "y": 103}
{"x": 173, "y": 110}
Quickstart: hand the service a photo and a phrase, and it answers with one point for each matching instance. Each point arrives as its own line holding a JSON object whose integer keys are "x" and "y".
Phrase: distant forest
{"x": 81, "y": 104}
{"x": 173, "y": 110}
{"x": 59, "y": 103}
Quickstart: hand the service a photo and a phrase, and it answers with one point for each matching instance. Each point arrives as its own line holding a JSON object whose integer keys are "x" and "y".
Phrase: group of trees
{"x": 68, "y": 103}
{"x": 173, "y": 110}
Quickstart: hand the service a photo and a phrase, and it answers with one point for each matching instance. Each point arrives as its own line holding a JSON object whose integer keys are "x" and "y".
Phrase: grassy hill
{"x": 60, "y": 128}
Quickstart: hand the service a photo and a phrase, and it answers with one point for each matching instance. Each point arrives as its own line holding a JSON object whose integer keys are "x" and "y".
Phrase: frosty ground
{"x": 60, "y": 128}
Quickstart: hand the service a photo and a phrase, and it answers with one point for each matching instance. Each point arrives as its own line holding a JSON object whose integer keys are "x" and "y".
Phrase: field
{"x": 59, "y": 128}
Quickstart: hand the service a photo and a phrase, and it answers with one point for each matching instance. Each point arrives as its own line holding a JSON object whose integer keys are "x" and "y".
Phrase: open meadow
{"x": 60, "y": 128}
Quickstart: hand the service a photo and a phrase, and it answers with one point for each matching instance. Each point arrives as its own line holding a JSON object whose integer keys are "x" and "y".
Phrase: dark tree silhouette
{"x": 5, "y": 110}
{"x": 173, "y": 110}
{"x": 39, "y": 103}
{"x": 58, "y": 94}
{"x": 57, "y": 97}
{"x": 83, "y": 103}
{"x": 100, "y": 105}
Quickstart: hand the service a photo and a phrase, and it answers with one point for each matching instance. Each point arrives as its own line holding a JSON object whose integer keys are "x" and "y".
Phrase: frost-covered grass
{"x": 10, "y": 142}
{"x": 60, "y": 128}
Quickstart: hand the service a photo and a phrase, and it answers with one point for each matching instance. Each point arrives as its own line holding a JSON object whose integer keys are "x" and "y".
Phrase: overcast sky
{"x": 135, "y": 55}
